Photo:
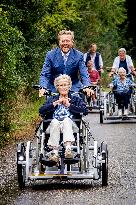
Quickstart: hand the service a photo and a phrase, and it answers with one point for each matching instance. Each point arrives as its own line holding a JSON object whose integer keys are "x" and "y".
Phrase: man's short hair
{"x": 93, "y": 44}
{"x": 122, "y": 49}
{"x": 66, "y": 32}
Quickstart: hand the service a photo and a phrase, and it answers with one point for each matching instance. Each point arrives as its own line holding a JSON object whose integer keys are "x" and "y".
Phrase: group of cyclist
{"x": 67, "y": 70}
{"x": 122, "y": 71}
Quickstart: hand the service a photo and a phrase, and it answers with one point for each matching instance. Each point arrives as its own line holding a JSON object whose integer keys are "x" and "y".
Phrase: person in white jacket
{"x": 123, "y": 60}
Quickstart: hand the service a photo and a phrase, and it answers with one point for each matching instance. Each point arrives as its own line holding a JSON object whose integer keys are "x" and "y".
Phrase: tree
{"x": 11, "y": 54}
{"x": 130, "y": 25}
{"x": 100, "y": 23}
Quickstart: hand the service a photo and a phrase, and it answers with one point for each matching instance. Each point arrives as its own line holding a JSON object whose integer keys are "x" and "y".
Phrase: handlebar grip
{"x": 36, "y": 87}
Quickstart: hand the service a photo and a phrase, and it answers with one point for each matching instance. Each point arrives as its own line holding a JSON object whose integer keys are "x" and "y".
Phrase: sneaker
{"x": 126, "y": 112}
{"x": 119, "y": 112}
{"x": 54, "y": 156}
{"x": 68, "y": 152}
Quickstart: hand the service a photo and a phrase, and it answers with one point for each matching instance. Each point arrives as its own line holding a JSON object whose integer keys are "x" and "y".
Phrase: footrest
{"x": 71, "y": 161}
{"x": 48, "y": 162}
{"x": 125, "y": 117}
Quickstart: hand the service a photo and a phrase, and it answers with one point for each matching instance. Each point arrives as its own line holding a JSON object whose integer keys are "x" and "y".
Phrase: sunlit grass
{"x": 24, "y": 118}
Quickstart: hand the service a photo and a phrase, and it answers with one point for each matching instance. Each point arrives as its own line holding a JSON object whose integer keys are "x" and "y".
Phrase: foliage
{"x": 100, "y": 23}
{"x": 28, "y": 29}
{"x": 130, "y": 25}
{"x": 58, "y": 15}
{"x": 11, "y": 58}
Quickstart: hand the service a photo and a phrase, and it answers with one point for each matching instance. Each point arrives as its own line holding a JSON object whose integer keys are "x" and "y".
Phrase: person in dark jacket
{"x": 95, "y": 56}
{"x": 63, "y": 109}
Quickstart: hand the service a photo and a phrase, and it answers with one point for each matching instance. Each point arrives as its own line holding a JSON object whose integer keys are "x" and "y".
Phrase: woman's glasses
{"x": 63, "y": 85}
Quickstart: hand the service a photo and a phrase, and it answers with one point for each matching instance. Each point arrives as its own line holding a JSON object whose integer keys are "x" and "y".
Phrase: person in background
{"x": 64, "y": 59}
{"x": 93, "y": 73}
{"x": 122, "y": 87}
{"x": 92, "y": 54}
{"x": 62, "y": 109}
{"x": 94, "y": 78}
{"x": 123, "y": 60}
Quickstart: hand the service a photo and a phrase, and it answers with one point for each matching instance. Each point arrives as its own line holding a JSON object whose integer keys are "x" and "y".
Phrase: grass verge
{"x": 24, "y": 120}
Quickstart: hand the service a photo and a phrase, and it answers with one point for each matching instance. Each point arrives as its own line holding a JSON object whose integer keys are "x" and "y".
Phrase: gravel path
{"x": 121, "y": 189}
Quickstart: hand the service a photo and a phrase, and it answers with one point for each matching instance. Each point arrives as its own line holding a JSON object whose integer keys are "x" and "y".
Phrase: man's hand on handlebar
{"x": 88, "y": 91}
{"x": 111, "y": 73}
{"x": 133, "y": 71}
{"x": 42, "y": 92}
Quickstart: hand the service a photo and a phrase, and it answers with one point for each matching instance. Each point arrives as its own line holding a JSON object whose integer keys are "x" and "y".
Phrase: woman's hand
{"x": 66, "y": 101}
{"x": 57, "y": 102}
{"x": 62, "y": 100}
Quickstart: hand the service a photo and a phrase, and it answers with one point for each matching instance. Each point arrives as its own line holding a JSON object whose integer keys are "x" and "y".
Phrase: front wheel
{"x": 101, "y": 116}
{"x": 104, "y": 164}
{"x": 21, "y": 174}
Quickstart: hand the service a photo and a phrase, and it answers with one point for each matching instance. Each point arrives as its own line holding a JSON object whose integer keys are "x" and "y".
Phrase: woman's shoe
{"x": 54, "y": 156}
{"x": 119, "y": 112}
{"x": 126, "y": 112}
{"x": 68, "y": 152}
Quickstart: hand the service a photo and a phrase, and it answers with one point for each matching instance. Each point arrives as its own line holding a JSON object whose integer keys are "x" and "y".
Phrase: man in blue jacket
{"x": 64, "y": 60}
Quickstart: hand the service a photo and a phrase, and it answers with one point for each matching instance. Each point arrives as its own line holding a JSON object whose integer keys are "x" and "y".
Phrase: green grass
{"x": 28, "y": 113}
{"x": 23, "y": 121}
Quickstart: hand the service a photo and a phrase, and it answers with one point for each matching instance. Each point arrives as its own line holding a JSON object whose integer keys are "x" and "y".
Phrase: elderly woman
{"x": 122, "y": 86}
{"x": 62, "y": 109}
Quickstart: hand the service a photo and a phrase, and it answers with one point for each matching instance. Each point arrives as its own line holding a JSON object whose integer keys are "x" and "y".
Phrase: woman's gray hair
{"x": 66, "y": 32}
{"x": 62, "y": 77}
{"x": 122, "y": 49}
{"x": 122, "y": 69}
